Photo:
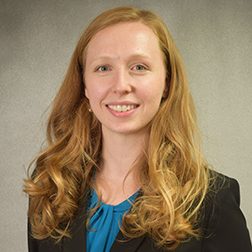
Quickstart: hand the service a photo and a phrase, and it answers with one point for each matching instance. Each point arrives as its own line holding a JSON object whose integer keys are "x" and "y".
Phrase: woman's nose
{"x": 122, "y": 82}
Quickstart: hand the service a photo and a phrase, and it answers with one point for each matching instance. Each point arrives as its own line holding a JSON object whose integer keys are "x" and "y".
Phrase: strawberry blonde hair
{"x": 173, "y": 174}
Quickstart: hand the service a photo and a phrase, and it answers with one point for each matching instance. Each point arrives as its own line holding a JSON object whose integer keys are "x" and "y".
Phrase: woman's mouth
{"x": 122, "y": 108}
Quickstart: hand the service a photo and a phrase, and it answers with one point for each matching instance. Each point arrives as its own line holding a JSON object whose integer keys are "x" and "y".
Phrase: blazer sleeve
{"x": 226, "y": 229}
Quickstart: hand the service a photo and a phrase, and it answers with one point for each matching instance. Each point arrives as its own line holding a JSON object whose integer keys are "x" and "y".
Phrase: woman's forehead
{"x": 127, "y": 37}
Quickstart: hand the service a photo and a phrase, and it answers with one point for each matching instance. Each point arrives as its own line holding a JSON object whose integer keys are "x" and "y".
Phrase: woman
{"x": 123, "y": 169}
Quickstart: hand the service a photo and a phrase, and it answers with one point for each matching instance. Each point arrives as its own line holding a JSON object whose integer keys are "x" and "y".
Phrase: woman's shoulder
{"x": 222, "y": 187}
{"x": 223, "y": 192}
{"x": 224, "y": 225}
{"x": 220, "y": 181}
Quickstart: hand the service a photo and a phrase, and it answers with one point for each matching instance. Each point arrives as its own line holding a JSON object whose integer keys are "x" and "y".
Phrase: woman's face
{"x": 125, "y": 77}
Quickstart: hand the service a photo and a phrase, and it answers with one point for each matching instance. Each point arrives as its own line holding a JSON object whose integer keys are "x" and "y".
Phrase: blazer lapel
{"x": 78, "y": 231}
{"x": 124, "y": 244}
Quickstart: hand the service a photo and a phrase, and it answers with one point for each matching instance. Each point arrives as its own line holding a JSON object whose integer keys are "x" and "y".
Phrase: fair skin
{"x": 125, "y": 80}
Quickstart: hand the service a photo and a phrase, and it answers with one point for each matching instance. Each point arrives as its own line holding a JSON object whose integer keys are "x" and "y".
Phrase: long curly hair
{"x": 173, "y": 174}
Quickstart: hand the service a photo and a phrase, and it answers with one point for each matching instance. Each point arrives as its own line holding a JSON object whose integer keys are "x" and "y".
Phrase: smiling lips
{"x": 122, "y": 108}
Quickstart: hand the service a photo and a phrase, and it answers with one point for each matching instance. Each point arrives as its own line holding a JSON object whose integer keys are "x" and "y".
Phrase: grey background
{"x": 37, "y": 39}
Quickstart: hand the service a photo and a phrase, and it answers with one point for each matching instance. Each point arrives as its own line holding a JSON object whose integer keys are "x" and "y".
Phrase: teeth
{"x": 122, "y": 108}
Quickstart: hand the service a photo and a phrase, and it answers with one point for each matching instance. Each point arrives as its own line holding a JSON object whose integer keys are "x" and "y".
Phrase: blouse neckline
{"x": 121, "y": 207}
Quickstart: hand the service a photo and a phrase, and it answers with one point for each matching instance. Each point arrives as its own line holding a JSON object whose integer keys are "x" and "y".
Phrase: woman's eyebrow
{"x": 105, "y": 56}
{"x": 141, "y": 55}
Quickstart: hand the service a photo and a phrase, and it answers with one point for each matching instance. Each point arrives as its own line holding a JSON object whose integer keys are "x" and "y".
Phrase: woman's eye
{"x": 102, "y": 68}
{"x": 139, "y": 67}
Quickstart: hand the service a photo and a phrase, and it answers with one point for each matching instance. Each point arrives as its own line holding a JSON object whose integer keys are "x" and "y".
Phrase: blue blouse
{"x": 104, "y": 224}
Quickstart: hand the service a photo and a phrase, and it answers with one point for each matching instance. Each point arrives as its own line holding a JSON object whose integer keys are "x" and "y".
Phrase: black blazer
{"x": 223, "y": 224}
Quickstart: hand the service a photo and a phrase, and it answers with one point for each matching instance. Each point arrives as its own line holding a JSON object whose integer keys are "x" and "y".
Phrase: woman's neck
{"x": 116, "y": 178}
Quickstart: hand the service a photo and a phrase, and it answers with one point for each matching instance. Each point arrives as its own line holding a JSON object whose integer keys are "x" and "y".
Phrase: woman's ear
{"x": 165, "y": 93}
{"x": 166, "y": 89}
{"x": 86, "y": 93}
